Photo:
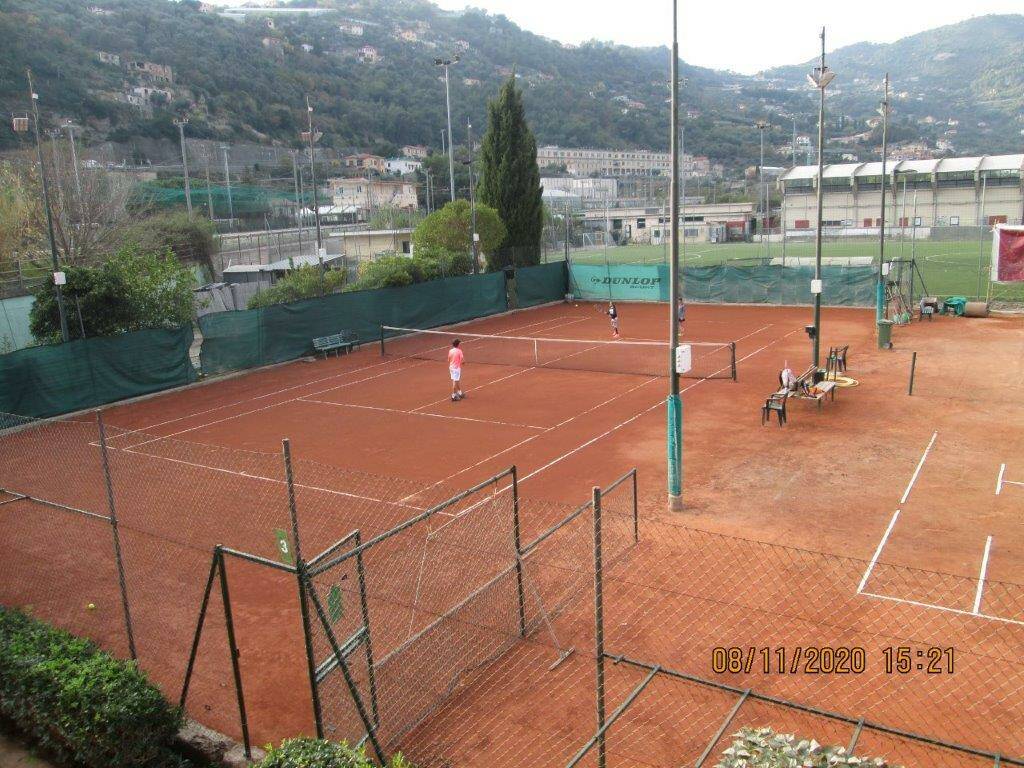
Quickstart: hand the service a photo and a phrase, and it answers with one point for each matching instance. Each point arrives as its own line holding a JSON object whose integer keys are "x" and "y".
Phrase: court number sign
{"x": 684, "y": 358}
{"x": 284, "y": 547}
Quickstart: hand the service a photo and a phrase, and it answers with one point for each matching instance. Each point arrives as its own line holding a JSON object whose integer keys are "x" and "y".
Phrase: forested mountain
{"x": 246, "y": 78}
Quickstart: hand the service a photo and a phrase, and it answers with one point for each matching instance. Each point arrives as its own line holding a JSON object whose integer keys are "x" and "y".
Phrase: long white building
{"x": 950, "y": 192}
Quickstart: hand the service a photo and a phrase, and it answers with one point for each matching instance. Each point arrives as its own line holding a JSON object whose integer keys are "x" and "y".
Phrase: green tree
{"x": 21, "y": 214}
{"x": 451, "y": 227}
{"x": 130, "y": 291}
{"x": 191, "y": 240}
{"x": 301, "y": 283}
{"x": 511, "y": 179}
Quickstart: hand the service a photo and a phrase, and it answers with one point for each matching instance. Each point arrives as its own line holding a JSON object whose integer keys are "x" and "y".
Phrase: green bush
{"x": 388, "y": 271}
{"x": 190, "y": 240}
{"x": 132, "y": 290}
{"x": 763, "y": 748}
{"x": 301, "y": 283}
{"x": 79, "y": 703}
{"x": 316, "y": 753}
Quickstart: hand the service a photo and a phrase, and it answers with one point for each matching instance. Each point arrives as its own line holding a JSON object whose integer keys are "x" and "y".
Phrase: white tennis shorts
{"x": 456, "y": 373}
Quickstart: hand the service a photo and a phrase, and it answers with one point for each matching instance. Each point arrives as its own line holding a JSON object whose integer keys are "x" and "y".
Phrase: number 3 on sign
{"x": 284, "y": 547}
{"x": 684, "y": 358}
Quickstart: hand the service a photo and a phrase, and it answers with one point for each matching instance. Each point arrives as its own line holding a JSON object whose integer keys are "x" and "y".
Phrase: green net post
{"x": 675, "y": 451}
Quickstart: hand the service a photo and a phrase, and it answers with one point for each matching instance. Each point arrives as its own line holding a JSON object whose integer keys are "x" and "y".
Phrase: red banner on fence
{"x": 1008, "y": 254}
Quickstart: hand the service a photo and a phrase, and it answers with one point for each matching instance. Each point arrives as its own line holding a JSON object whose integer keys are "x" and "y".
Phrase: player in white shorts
{"x": 455, "y": 358}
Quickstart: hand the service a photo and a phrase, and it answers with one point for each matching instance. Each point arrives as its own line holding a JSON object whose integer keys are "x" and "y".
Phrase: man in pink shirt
{"x": 455, "y": 357}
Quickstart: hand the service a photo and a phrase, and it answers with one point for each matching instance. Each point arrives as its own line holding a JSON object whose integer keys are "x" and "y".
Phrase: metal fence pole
{"x": 233, "y": 650}
{"x": 636, "y": 511}
{"x": 517, "y": 542}
{"x": 732, "y": 356}
{"x": 200, "y": 622}
{"x": 599, "y": 630}
{"x": 300, "y": 573}
{"x": 913, "y": 368}
{"x": 121, "y": 581}
{"x": 365, "y": 608}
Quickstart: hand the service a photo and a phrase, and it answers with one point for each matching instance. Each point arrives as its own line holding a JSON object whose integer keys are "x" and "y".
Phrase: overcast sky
{"x": 741, "y": 35}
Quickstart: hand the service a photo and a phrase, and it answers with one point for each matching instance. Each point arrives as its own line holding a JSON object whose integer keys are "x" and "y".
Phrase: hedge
{"x": 80, "y": 704}
{"x": 317, "y": 753}
{"x": 763, "y": 748}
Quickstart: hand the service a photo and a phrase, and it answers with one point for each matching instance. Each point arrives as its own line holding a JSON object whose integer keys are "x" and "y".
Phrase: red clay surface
{"x": 829, "y": 481}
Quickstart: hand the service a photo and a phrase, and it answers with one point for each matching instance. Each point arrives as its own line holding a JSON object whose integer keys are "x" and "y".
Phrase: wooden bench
{"x": 804, "y": 388}
{"x": 344, "y": 341}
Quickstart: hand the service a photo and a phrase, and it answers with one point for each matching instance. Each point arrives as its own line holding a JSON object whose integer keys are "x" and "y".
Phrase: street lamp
{"x": 184, "y": 162}
{"x": 820, "y": 77}
{"x": 883, "y": 110}
{"x": 446, "y": 63}
{"x": 58, "y": 276}
{"x": 311, "y": 138}
{"x": 762, "y": 193}
{"x": 472, "y": 199}
{"x": 674, "y": 404}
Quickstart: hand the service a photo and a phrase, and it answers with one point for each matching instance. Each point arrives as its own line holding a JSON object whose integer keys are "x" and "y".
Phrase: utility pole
{"x": 880, "y": 283}
{"x": 762, "y": 192}
{"x": 472, "y": 201}
{"x": 184, "y": 163}
{"x": 794, "y": 143}
{"x": 820, "y": 78}
{"x": 312, "y": 178}
{"x": 57, "y": 282}
{"x": 446, "y": 63}
{"x": 74, "y": 159}
{"x": 209, "y": 192}
{"x": 298, "y": 200}
{"x": 227, "y": 179}
{"x": 674, "y": 405}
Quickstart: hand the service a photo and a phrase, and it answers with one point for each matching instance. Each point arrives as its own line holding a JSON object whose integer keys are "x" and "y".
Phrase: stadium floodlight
{"x": 820, "y": 77}
{"x": 447, "y": 63}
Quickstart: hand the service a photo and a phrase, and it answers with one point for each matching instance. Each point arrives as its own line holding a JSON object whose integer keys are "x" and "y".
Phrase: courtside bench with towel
{"x": 345, "y": 341}
{"x": 805, "y": 387}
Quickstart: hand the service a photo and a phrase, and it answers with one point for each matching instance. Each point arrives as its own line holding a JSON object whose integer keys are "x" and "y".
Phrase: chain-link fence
{"x": 481, "y": 628}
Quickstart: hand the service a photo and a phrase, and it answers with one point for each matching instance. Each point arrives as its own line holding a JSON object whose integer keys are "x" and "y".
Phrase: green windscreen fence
{"x": 541, "y": 284}
{"x": 724, "y": 284}
{"x": 61, "y": 378}
{"x": 254, "y": 337}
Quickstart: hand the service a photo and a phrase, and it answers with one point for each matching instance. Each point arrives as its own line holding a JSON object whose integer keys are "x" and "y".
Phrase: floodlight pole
{"x": 472, "y": 201}
{"x": 184, "y": 163}
{"x": 762, "y": 191}
{"x": 880, "y": 287}
{"x": 821, "y": 79}
{"x": 74, "y": 159}
{"x": 227, "y": 180}
{"x": 446, "y": 63}
{"x": 674, "y": 405}
{"x": 34, "y": 98}
{"x": 312, "y": 180}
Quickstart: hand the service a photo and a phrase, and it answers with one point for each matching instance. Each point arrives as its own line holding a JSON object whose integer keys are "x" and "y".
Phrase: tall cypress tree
{"x": 511, "y": 178}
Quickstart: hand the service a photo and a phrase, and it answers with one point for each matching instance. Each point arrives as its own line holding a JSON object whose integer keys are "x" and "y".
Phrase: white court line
{"x": 910, "y": 485}
{"x": 308, "y": 383}
{"x": 944, "y": 608}
{"x": 264, "y": 478}
{"x": 999, "y": 480}
{"x": 299, "y": 397}
{"x": 981, "y": 578}
{"x": 878, "y": 552}
{"x": 420, "y": 413}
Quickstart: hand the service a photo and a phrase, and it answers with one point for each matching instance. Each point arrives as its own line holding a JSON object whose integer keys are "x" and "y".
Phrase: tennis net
{"x": 710, "y": 360}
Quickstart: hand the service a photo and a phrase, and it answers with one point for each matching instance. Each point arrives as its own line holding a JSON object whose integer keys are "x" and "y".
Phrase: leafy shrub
{"x": 763, "y": 748}
{"x": 190, "y": 240}
{"x": 316, "y": 753}
{"x": 451, "y": 228}
{"x": 78, "y": 702}
{"x": 132, "y": 290}
{"x": 301, "y": 283}
{"x": 388, "y": 271}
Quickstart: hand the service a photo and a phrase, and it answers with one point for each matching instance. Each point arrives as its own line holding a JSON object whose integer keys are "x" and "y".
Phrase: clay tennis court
{"x": 913, "y": 499}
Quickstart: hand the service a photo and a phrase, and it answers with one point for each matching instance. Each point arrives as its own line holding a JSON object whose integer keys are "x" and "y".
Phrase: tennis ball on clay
{"x": 91, "y": 607}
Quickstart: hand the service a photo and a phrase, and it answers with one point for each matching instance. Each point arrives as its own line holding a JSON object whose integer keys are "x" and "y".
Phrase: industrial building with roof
{"x": 948, "y": 192}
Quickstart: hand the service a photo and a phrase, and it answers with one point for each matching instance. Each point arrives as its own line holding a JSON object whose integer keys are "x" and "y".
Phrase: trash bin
{"x": 885, "y": 334}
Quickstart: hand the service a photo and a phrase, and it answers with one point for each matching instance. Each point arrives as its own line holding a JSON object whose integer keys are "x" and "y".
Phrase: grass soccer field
{"x": 949, "y": 268}
{"x": 880, "y": 520}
